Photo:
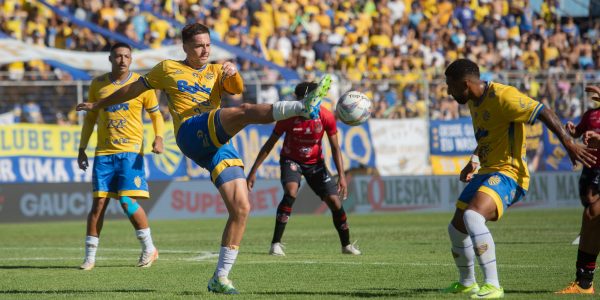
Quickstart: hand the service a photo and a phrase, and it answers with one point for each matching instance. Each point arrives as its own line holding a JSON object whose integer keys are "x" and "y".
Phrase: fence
{"x": 398, "y": 95}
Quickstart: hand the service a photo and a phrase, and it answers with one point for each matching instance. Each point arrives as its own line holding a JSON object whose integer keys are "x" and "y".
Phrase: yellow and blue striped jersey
{"x": 120, "y": 127}
{"x": 189, "y": 91}
{"x": 499, "y": 125}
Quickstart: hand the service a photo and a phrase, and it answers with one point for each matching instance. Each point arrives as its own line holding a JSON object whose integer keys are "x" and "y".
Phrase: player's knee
{"x": 593, "y": 210}
{"x": 98, "y": 205}
{"x": 472, "y": 218}
{"x": 129, "y": 206}
{"x": 241, "y": 209}
{"x": 288, "y": 199}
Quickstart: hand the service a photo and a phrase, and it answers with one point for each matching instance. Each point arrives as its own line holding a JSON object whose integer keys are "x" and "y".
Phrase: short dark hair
{"x": 191, "y": 30}
{"x": 460, "y": 68}
{"x": 303, "y": 88}
{"x": 119, "y": 45}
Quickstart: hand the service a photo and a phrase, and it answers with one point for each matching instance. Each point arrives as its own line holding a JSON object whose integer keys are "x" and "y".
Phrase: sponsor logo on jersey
{"x": 183, "y": 86}
{"x": 117, "y": 107}
{"x": 116, "y": 123}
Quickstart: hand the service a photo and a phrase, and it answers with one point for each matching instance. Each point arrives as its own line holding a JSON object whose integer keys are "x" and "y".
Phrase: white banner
{"x": 13, "y": 50}
{"x": 401, "y": 146}
{"x": 7, "y": 118}
{"x": 439, "y": 193}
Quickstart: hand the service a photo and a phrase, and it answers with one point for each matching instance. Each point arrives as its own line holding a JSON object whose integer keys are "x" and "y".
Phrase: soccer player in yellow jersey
{"x": 203, "y": 129}
{"x": 118, "y": 170}
{"x": 499, "y": 113}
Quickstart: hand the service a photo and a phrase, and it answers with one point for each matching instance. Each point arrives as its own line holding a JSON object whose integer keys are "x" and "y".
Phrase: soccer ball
{"x": 353, "y": 108}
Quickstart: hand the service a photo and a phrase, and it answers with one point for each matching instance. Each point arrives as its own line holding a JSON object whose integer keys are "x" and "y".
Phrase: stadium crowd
{"x": 392, "y": 50}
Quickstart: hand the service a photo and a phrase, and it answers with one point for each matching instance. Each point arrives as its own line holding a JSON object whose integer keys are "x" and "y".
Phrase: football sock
{"x": 145, "y": 238}
{"x": 464, "y": 255}
{"x": 91, "y": 245}
{"x": 339, "y": 221}
{"x": 483, "y": 245}
{"x": 586, "y": 265}
{"x": 284, "y": 210}
{"x": 286, "y": 109}
{"x": 227, "y": 257}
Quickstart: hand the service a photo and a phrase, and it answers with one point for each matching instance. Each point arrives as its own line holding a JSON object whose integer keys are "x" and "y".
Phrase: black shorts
{"x": 317, "y": 176}
{"x": 590, "y": 178}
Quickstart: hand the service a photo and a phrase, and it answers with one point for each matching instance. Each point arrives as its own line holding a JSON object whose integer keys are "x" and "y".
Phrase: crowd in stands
{"x": 392, "y": 50}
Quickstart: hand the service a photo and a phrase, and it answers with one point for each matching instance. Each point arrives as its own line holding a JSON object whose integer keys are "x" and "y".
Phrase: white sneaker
{"x": 147, "y": 258}
{"x": 87, "y": 265}
{"x": 277, "y": 249}
{"x": 576, "y": 241}
{"x": 351, "y": 249}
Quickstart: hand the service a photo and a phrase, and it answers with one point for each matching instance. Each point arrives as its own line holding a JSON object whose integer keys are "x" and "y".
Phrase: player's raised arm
{"x": 124, "y": 94}
{"x": 232, "y": 80}
{"x": 576, "y": 152}
{"x": 262, "y": 155}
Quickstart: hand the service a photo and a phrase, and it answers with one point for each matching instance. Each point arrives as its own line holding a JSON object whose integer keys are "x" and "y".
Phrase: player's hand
{"x": 157, "y": 146}
{"x": 570, "y": 127}
{"x": 580, "y": 153}
{"x": 87, "y": 106}
{"x": 82, "y": 160}
{"x": 595, "y": 90}
{"x": 468, "y": 171}
{"x": 591, "y": 139}
{"x": 250, "y": 181}
{"x": 229, "y": 69}
{"x": 342, "y": 188}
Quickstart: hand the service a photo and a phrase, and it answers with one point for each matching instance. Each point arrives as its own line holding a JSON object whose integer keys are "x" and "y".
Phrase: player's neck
{"x": 119, "y": 77}
{"x": 482, "y": 91}
{"x": 197, "y": 65}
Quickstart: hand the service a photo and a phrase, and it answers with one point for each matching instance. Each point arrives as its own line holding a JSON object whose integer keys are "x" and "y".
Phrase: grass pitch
{"x": 404, "y": 256}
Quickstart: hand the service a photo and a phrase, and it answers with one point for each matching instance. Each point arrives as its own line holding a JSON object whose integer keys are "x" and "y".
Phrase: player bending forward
{"x": 301, "y": 155}
{"x": 499, "y": 113}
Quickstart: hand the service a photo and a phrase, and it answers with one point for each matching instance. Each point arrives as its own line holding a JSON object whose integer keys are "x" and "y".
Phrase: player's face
{"x": 458, "y": 89}
{"x": 120, "y": 59}
{"x": 198, "y": 48}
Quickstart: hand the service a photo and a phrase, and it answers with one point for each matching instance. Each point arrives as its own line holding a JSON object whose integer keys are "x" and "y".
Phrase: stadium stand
{"x": 392, "y": 50}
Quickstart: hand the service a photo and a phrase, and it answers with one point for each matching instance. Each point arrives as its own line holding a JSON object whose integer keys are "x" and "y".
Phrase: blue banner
{"x": 48, "y": 153}
{"x": 452, "y": 138}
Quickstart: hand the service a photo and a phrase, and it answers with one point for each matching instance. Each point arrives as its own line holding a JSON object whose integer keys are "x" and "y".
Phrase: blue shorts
{"x": 504, "y": 190}
{"x": 202, "y": 139}
{"x": 120, "y": 174}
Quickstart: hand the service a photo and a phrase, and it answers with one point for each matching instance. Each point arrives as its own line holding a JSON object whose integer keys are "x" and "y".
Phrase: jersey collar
{"x": 117, "y": 82}
{"x": 185, "y": 62}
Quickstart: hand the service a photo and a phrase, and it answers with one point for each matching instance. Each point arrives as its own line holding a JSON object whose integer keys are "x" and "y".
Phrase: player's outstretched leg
{"x": 234, "y": 119}
{"x": 464, "y": 257}
{"x": 95, "y": 221}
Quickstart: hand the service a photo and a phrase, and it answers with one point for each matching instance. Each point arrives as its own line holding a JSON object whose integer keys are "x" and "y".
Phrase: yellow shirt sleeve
{"x": 234, "y": 84}
{"x": 155, "y": 78}
{"x": 518, "y": 107}
{"x": 153, "y": 109}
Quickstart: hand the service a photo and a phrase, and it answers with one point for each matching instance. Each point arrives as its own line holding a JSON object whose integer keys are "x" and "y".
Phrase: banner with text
{"x": 450, "y": 143}
{"x": 48, "y": 153}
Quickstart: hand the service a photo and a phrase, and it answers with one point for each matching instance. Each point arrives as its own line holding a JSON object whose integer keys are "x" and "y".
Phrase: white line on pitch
{"x": 99, "y": 248}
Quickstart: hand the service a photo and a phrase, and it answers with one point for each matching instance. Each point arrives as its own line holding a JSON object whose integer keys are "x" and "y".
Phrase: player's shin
{"x": 464, "y": 255}
{"x": 286, "y": 109}
{"x": 586, "y": 265}
{"x": 91, "y": 246}
{"x": 483, "y": 244}
{"x": 284, "y": 210}
{"x": 227, "y": 257}
{"x": 341, "y": 225}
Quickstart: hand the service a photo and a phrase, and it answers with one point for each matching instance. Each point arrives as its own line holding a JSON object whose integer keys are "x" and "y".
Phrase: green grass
{"x": 404, "y": 256}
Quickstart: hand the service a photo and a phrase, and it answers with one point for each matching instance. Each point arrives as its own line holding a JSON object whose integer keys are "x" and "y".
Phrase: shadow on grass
{"x": 17, "y": 292}
{"x": 55, "y": 267}
{"x": 367, "y": 293}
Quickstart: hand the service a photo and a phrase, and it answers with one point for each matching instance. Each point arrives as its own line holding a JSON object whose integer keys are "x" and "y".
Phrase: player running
{"x": 302, "y": 155}
{"x": 203, "y": 129}
{"x": 118, "y": 170}
{"x": 589, "y": 193}
{"x": 499, "y": 113}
